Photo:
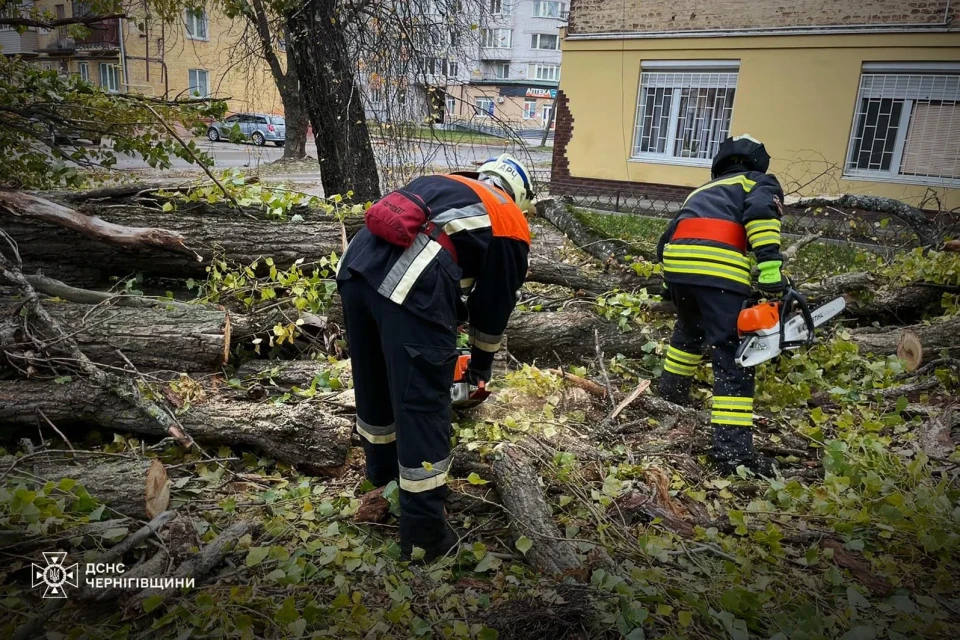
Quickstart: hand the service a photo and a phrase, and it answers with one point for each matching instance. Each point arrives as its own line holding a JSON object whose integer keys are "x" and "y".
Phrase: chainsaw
{"x": 769, "y": 328}
{"x": 463, "y": 394}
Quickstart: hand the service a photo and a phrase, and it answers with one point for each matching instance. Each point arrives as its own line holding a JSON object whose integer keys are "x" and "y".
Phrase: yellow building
{"x": 857, "y": 97}
{"x": 202, "y": 53}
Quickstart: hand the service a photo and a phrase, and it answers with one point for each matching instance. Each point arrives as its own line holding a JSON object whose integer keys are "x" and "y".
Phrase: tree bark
{"x": 570, "y": 334}
{"x": 332, "y": 96}
{"x": 933, "y": 337}
{"x": 295, "y": 110}
{"x": 187, "y": 338}
{"x": 605, "y": 250}
{"x": 59, "y": 252}
{"x": 929, "y": 233}
{"x": 303, "y": 434}
{"x": 118, "y": 483}
{"x": 518, "y": 484}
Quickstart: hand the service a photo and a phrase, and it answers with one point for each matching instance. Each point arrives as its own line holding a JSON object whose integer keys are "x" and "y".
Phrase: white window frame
{"x": 546, "y": 72}
{"x": 376, "y": 95}
{"x": 680, "y": 75}
{"x": 540, "y": 5}
{"x": 83, "y": 70}
{"x": 497, "y": 66}
{"x": 482, "y": 112}
{"x": 528, "y": 112}
{"x": 500, "y": 7}
{"x": 493, "y": 38}
{"x": 197, "y": 25}
{"x": 109, "y": 72}
{"x": 911, "y": 85}
{"x": 536, "y": 39}
{"x": 450, "y": 105}
{"x": 191, "y": 85}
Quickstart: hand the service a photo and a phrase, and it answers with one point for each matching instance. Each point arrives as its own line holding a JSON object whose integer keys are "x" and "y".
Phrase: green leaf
{"x": 473, "y": 478}
{"x": 418, "y": 553}
{"x": 488, "y": 634}
{"x": 685, "y": 618}
{"x": 523, "y": 544}
{"x": 256, "y": 555}
{"x": 151, "y": 603}
{"x": 62, "y": 380}
{"x": 636, "y": 634}
{"x": 865, "y": 632}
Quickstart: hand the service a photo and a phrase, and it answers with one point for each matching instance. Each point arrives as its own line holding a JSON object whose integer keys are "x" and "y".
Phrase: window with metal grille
{"x": 906, "y": 128}
{"x": 683, "y": 115}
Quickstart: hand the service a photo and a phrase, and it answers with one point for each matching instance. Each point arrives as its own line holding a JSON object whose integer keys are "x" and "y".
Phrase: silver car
{"x": 258, "y": 128}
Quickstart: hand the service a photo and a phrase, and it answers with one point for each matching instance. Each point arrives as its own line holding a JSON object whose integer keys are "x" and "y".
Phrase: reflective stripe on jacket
{"x": 491, "y": 238}
{"x": 753, "y": 200}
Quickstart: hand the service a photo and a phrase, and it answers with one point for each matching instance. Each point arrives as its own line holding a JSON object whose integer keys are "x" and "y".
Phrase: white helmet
{"x": 513, "y": 176}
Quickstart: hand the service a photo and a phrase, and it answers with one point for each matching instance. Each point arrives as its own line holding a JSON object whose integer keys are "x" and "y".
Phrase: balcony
{"x": 13, "y": 43}
{"x": 495, "y": 54}
{"x": 103, "y": 36}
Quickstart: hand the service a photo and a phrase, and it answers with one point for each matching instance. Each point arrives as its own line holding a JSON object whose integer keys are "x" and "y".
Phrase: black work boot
{"x": 733, "y": 446}
{"x": 675, "y": 389}
{"x": 432, "y": 550}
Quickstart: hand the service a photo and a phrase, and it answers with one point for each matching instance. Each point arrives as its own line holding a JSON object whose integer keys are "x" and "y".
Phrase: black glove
{"x": 474, "y": 376}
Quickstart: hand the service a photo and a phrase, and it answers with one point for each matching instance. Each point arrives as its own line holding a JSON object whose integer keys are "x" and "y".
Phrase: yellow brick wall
{"x": 796, "y": 93}
{"x": 233, "y": 73}
{"x": 606, "y": 16}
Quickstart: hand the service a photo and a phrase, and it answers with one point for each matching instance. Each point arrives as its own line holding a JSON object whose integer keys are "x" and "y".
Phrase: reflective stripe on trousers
{"x": 375, "y": 434}
{"x": 424, "y": 478}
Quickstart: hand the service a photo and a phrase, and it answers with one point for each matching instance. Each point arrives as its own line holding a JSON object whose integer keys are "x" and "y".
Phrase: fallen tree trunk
{"x": 518, "y": 484}
{"x": 545, "y": 270}
{"x": 929, "y": 233}
{"x": 933, "y": 337}
{"x": 185, "y": 338}
{"x": 558, "y": 213}
{"x": 118, "y": 483}
{"x": 306, "y": 434}
{"x": 570, "y": 334}
{"x": 209, "y": 232}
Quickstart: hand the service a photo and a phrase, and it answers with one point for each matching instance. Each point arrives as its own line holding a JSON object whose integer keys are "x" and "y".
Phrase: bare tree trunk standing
{"x": 288, "y": 83}
{"x": 318, "y": 43}
{"x": 294, "y": 108}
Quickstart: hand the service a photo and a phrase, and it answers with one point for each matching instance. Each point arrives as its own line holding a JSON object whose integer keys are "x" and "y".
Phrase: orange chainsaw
{"x": 769, "y": 328}
{"x": 463, "y": 394}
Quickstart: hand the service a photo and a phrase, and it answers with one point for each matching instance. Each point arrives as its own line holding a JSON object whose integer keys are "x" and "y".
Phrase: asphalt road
{"x": 427, "y": 154}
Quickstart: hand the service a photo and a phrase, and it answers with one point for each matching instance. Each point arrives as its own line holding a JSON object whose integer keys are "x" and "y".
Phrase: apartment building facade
{"x": 855, "y": 97}
{"x": 517, "y": 70}
{"x": 200, "y": 54}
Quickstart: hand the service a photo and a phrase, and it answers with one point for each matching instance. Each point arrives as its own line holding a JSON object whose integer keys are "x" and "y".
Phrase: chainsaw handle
{"x": 791, "y": 298}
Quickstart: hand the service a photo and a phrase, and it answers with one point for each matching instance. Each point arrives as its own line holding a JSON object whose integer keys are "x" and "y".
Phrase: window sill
{"x": 197, "y": 38}
{"x": 897, "y": 179}
{"x": 682, "y": 162}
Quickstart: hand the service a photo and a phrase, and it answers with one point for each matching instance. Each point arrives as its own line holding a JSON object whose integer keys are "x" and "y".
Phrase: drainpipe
{"x": 123, "y": 57}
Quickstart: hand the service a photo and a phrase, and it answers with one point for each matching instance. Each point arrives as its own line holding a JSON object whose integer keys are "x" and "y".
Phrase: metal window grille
{"x": 906, "y": 125}
{"x": 683, "y": 114}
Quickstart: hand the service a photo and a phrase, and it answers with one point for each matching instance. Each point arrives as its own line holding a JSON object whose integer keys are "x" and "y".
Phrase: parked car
{"x": 258, "y": 128}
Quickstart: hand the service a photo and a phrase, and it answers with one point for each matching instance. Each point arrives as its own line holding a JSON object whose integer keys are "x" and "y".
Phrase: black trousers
{"x": 403, "y": 368}
{"x": 707, "y": 317}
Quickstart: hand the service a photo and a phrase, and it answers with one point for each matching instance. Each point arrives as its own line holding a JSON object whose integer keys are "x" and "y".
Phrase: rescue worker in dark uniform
{"x": 402, "y": 309}
{"x": 707, "y": 276}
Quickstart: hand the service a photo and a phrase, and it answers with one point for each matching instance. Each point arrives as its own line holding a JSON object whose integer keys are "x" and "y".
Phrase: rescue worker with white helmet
{"x": 707, "y": 275}
{"x": 442, "y": 249}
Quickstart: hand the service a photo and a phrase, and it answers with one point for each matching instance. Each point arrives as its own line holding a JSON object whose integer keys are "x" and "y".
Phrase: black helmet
{"x": 743, "y": 151}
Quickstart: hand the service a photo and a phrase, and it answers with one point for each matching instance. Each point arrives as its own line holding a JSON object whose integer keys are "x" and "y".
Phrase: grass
{"x": 812, "y": 262}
